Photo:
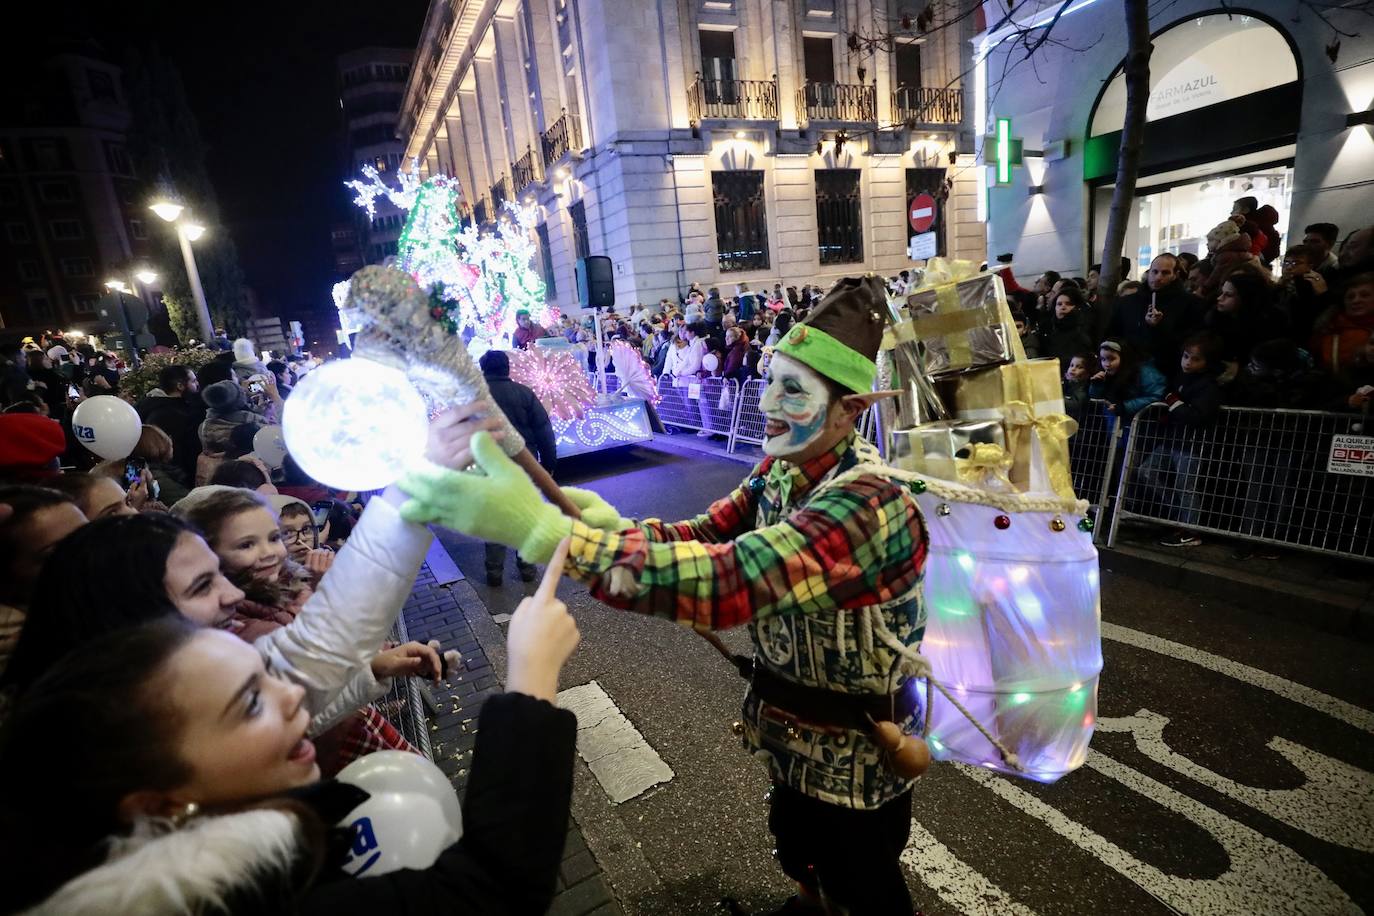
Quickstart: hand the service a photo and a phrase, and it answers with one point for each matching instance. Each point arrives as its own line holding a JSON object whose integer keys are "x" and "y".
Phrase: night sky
{"x": 260, "y": 78}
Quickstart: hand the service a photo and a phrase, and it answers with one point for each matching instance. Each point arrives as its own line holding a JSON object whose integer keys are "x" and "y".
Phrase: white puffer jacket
{"x": 329, "y": 647}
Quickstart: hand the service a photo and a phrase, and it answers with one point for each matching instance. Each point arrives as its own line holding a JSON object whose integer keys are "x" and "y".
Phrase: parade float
{"x": 478, "y": 278}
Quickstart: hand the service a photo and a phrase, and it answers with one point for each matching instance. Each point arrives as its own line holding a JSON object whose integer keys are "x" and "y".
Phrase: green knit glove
{"x": 596, "y": 512}
{"x": 503, "y": 505}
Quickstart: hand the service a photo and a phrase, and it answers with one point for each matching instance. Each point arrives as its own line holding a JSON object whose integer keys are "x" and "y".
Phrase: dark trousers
{"x": 847, "y": 856}
{"x": 496, "y": 561}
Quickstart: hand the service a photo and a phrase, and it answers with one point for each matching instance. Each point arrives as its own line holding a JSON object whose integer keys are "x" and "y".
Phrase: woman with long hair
{"x": 1242, "y": 316}
{"x": 196, "y": 787}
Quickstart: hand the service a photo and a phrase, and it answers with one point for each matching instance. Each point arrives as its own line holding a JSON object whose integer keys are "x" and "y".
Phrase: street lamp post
{"x": 188, "y": 232}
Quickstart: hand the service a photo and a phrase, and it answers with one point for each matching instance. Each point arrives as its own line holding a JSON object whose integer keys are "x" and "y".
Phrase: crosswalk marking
{"x": 616, "y": 753}
{"x": 957, "y": 883}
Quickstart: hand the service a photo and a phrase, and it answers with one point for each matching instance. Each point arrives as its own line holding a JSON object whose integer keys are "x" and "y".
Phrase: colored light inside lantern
{"x": 1020, "y": 698}
{"x": 935, "y": 743}
{"x": 965, "y": 560}
{"x": 1019, "y": 574}
{"x": 355, "y": 424}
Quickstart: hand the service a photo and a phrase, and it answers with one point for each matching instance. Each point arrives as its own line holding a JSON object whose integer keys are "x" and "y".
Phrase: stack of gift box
{"x": 972, "y": 407}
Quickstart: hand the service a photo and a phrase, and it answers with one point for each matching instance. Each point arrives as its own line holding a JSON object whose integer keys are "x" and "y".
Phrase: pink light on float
{"x": 634, "y": 373}
{"x": 556, "y": 379}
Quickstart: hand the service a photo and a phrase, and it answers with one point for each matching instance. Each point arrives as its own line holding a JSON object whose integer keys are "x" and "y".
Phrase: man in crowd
{"x": 522, "y": 407}
{"x": 819, "y": 545}
{"x": 1321, "y": 239}
{"x": 1155, "y": 320}
{"x": 176, "y": 408}
{"x": 526, "y": 331}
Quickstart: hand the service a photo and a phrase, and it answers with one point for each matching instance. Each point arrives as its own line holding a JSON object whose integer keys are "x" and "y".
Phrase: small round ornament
{"x": 1085, "y": 524}
{"x": 1057, "y": 524}
{"x": 917, "y": 486}
{"x": 942, "y": 510}
{"x": 1003, "y": 522}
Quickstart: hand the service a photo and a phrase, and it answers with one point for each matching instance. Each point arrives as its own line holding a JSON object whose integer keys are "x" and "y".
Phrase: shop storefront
{"x": 1242, "y": 104}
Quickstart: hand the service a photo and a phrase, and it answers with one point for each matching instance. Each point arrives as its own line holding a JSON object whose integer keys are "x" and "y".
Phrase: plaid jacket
{"x": 798, "y": 558}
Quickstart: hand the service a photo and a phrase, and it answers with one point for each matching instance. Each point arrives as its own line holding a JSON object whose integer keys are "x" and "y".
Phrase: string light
{"x": 556, "y": 379}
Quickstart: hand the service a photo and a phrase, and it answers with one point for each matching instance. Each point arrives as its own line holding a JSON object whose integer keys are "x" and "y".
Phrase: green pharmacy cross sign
{"x": 1003, "y": 150}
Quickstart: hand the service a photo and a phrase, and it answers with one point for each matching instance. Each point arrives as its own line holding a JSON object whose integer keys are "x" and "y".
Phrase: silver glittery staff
{"x": 396, "y": 329}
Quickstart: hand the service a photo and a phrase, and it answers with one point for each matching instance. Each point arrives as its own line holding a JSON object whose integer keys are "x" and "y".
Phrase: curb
{"x": 1346, "y": 614}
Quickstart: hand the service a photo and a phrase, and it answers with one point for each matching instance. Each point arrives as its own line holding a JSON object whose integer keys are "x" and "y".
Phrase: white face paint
{"x": 796, "y": 404}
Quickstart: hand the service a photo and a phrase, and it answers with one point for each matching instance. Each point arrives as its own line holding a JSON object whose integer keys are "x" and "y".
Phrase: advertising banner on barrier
{"x": 1353, "y": 455}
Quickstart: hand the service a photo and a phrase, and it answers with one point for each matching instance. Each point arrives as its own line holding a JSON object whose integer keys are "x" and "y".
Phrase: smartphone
{"x": 133, "y": 471}
{"x": 320, "y": 510}
{"x": 256, "y": 387}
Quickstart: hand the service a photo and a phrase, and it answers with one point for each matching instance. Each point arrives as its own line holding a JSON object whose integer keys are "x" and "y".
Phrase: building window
{"x": 741, "y": 221}
{"x": 55, "y": 192}
{"x": 819, "y": 57}
{"x": 541, "y": 232}
{"x": 839, "y": 216}
{"x": 137, "y": 230}
{"x": 65, "y": 230}
{"x": 85, "y": 304}
{"x": 77, "y": 267}
{"x": 30, "y": 270}
{"x": 102, "y": 85}
{"x": 118, "y": 159}
{"x": 18, "y": 233}
{"x": 47, "y": 155}
{"x": 581, "y": 243}
{"x": 906, "y": 60}
{"x": 40, "y": 306}
{"x": 718, "y": 56}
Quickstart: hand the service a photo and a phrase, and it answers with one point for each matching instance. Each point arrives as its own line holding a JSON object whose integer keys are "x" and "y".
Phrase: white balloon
{"x": 107, "y": 425}
{"x": 354, "y": 424}
{"x": 270, "y": 446}
{"x": 411, "y": 817}
{"x": 401, "y": 771}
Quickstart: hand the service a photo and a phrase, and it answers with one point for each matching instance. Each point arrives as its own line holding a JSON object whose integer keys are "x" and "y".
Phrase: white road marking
{"x": 1335, "y": 803}
{"x": 1264, "y": 876}
{"x": 616, "y": 753}
{"x": 957, "y": 883}
{"x": 1313, "y": 699}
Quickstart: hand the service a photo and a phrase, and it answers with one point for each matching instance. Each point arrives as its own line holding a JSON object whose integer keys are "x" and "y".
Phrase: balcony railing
{"x": 481, "y": 211}
{"x": 527, "y": 170}
{"x": 838, "y": 102}
{"x": 748, "y": 100}
{"x": 500, "y": 193}
{"x": 563, "y": 136}
{"x": 914, "y": 104}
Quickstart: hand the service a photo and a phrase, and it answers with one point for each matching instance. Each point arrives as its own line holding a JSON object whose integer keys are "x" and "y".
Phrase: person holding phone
{"x": 1154, "y": 320}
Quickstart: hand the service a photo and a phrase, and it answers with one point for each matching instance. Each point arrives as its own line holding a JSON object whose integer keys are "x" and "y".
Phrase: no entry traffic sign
{"x": 922, "y": 212}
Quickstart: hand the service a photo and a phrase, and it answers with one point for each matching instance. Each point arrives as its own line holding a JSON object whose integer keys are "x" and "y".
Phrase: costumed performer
{"x": 820, "y": 553}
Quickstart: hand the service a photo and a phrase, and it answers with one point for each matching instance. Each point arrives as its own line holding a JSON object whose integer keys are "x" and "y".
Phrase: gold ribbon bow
{"x": 1054, "y": 430}
{"x": 986, "y": 467}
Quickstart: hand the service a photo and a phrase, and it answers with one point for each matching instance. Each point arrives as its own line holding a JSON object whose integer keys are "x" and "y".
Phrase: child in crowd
{"x": 1126, "y": 382}
{"x": 1170, "y": 472}
{"x": 303, "y": 538}
{"x": 244, "y": 533}
{"x": 1076, "y": 383}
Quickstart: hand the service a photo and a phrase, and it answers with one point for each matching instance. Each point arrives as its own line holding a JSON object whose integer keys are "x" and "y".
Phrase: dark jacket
{"x": 179, "y": 418}
{"x": 515, "y": 819}
{"x": 1162, "y": 343}
{"x": 521, "y": 406}
{"x": 1064, "y": 338}
{"x": 715, "y": 310}
{"x": 1194, "y": 399}
{"x": 1240, "y": 331}
{"x": 1300, "y": 306}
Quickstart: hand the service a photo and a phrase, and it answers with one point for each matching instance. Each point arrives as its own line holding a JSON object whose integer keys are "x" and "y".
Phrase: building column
{"x": 478, "y": 164}
{"x": 492, "y": 117}
{"x": 514, "y": 88}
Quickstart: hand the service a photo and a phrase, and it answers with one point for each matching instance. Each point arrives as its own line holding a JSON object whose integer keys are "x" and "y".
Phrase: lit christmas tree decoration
{"x": 355, "y": 424}
{"x": 477, "y": 279}
{"x": 556, "y": 379}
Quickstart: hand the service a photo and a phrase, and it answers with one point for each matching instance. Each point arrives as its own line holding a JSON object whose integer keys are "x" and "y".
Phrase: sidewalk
{"x": 443, "y": 606}
{"x": 1312, "y": 589}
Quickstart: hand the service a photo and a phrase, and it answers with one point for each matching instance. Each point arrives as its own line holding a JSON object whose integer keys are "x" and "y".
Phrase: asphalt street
{"x": 1230, "y": 773}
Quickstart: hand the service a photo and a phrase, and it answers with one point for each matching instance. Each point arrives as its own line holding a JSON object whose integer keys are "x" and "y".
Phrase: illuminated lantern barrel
{"x": 1013, "y": 632}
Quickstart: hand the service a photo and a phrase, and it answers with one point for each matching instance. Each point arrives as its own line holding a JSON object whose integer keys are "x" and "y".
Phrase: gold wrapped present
{"x": 971, "y": 451}
{"x": 1027, "y": 399}
{"x": 960, "y": 317}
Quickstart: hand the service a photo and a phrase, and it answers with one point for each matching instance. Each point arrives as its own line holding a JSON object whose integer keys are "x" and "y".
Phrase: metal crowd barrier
{"x": 1255, "y": 474}
{"x": 707, "y": 404}
{"x": 402, "y": 704}
{"x": 1092, "y": 453}
{"x": 749, "y": 421}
